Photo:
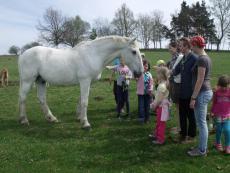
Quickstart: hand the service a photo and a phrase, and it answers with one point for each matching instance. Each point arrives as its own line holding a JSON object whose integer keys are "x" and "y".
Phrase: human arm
{"x": 111, "y": 77}
{"x": 175, "y": 71}
{"x": 213, "y": 103}
{"x": 114, "y": 69}
{"x": 111, "y": 67}
{"x": 199, "y": 82}
{"x": 159, "y": 95}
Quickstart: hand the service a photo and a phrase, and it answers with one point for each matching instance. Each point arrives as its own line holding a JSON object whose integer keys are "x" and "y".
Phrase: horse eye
{"x": 134, "y": 52}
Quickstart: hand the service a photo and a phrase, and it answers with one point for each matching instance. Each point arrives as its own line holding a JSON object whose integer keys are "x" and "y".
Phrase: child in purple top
{"x": 144, "y": 92}
{"x": 124, "y": 75}
{"x": 221, "y": 111}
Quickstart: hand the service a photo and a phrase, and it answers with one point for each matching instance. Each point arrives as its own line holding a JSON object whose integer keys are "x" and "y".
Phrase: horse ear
{"x": 132, "y": 41}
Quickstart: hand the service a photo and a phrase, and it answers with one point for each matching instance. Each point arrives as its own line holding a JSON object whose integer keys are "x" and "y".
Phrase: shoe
{"x": 152, "y": 137}
{"x": 157, "y": 142}
{"x": 196, "y": 152}
{"x": 192, "y": 148}
{"x": 218, "y": 147}
{"x": 227, "y": 150}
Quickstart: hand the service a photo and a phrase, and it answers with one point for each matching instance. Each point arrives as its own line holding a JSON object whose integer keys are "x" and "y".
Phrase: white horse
{"x": 81, "y": 64}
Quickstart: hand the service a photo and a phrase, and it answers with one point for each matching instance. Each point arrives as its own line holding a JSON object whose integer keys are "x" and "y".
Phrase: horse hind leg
{"x": 41, "y": 93}
{"x": 23, "y": 91}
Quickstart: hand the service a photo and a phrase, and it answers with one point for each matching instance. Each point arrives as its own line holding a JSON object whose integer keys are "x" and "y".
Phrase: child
{"x": 161, "y": 105}
{"x": 161, "y": 63}
{"x": 144, "y": 92}
{"x": 124, "y": 75}
{"x": 221, "y": 111}
{"x": 115, "y": 63}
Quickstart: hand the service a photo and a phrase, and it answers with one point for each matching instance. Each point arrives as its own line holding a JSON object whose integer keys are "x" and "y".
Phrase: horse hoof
{"x": 24, "y": 121}
{"x": 52, "y": 119}
{"x": 87, "y": 128}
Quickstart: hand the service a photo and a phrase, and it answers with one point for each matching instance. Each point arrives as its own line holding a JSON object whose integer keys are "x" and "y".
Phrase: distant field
{"x": 111, "y": 146}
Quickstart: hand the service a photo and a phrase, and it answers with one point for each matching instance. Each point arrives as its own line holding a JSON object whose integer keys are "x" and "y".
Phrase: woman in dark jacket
{"x": 185, "y": 112}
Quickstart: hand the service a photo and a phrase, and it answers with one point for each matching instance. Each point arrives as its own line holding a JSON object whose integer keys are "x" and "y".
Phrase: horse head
{"x": 132, "y": 56}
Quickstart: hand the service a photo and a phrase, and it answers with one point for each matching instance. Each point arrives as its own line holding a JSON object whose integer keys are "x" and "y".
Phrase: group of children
{"x": 154, "y": 94}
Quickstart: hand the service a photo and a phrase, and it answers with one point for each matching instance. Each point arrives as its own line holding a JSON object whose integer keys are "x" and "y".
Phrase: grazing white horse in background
{"x": 81, "y": 64}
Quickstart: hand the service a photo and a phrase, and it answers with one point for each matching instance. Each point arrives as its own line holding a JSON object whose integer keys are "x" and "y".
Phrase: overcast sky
{"x": 18, "y": 18}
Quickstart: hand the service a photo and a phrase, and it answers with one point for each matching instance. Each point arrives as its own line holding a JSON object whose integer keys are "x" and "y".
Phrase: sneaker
{"x": 152, "y": 137}
{"x": 192, "y": 148}
{"x": 218, "y": 147}
{"x": 196, "y": 152}
{"x": 157, "y": 142}
{"x": 227, "y": 150}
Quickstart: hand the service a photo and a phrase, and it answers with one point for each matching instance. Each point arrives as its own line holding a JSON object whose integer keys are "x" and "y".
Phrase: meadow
{"x": 111, "y": 146}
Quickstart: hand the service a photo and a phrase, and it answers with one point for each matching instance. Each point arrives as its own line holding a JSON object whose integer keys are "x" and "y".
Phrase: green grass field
{"x": 110, "y": 146}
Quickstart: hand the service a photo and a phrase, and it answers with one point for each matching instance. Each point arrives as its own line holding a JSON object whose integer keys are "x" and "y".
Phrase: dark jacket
{"x": 185, "y": 69}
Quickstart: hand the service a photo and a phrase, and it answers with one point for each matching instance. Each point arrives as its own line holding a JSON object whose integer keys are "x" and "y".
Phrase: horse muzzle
{"x": 137, "y": 74}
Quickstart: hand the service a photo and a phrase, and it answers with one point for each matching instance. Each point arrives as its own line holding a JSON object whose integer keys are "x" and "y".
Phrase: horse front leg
{"x": 85, "y": 86}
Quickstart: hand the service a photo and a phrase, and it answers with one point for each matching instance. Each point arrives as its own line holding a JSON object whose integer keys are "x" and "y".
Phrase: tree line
{"x": 212, "y": 22}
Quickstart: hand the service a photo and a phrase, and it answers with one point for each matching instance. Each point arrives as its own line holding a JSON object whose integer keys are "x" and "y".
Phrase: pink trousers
{"x": 160, "y": 126}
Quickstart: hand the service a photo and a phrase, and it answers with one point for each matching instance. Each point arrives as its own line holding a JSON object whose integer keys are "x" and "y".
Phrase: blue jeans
{"x": 224, "y": 127}
{"x": 200, "y": 111}
{"x": 144, "y": 107}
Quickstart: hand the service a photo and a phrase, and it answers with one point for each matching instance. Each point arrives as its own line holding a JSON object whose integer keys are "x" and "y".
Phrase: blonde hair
{"x": 164, "y": 74}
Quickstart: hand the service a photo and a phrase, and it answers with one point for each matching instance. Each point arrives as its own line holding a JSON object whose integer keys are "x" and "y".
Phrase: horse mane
{"x": 118, "y": 39}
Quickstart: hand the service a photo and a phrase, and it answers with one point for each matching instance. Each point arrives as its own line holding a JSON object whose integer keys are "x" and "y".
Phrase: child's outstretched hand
{"x": 109, "y": 67}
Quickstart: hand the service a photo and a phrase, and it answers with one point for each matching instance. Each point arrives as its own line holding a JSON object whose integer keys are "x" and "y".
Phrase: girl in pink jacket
{"x": 144, "y": 93}
{"x": 221, "y": 111}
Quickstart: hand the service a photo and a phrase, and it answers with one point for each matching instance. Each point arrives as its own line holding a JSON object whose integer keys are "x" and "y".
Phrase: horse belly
{"x": 59, "y": 76}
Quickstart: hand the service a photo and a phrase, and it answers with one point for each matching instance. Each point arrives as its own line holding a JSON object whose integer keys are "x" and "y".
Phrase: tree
{"x": 202, "y": 22}
{"x": 29, "y": 45}
{"x": 190, "y": 21}
{"x": 75, "y": 30}
{"x": 52, "y": 28}
{"x": 181, "y": 22}
{"x": 157, "y": 28}
{"x": 14, "y": 50}
{"x": 124, "y": 21}
{"x": 103, "y": 27}
{"x": 144, "y": 29}
{"x": 221, "y": 11}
